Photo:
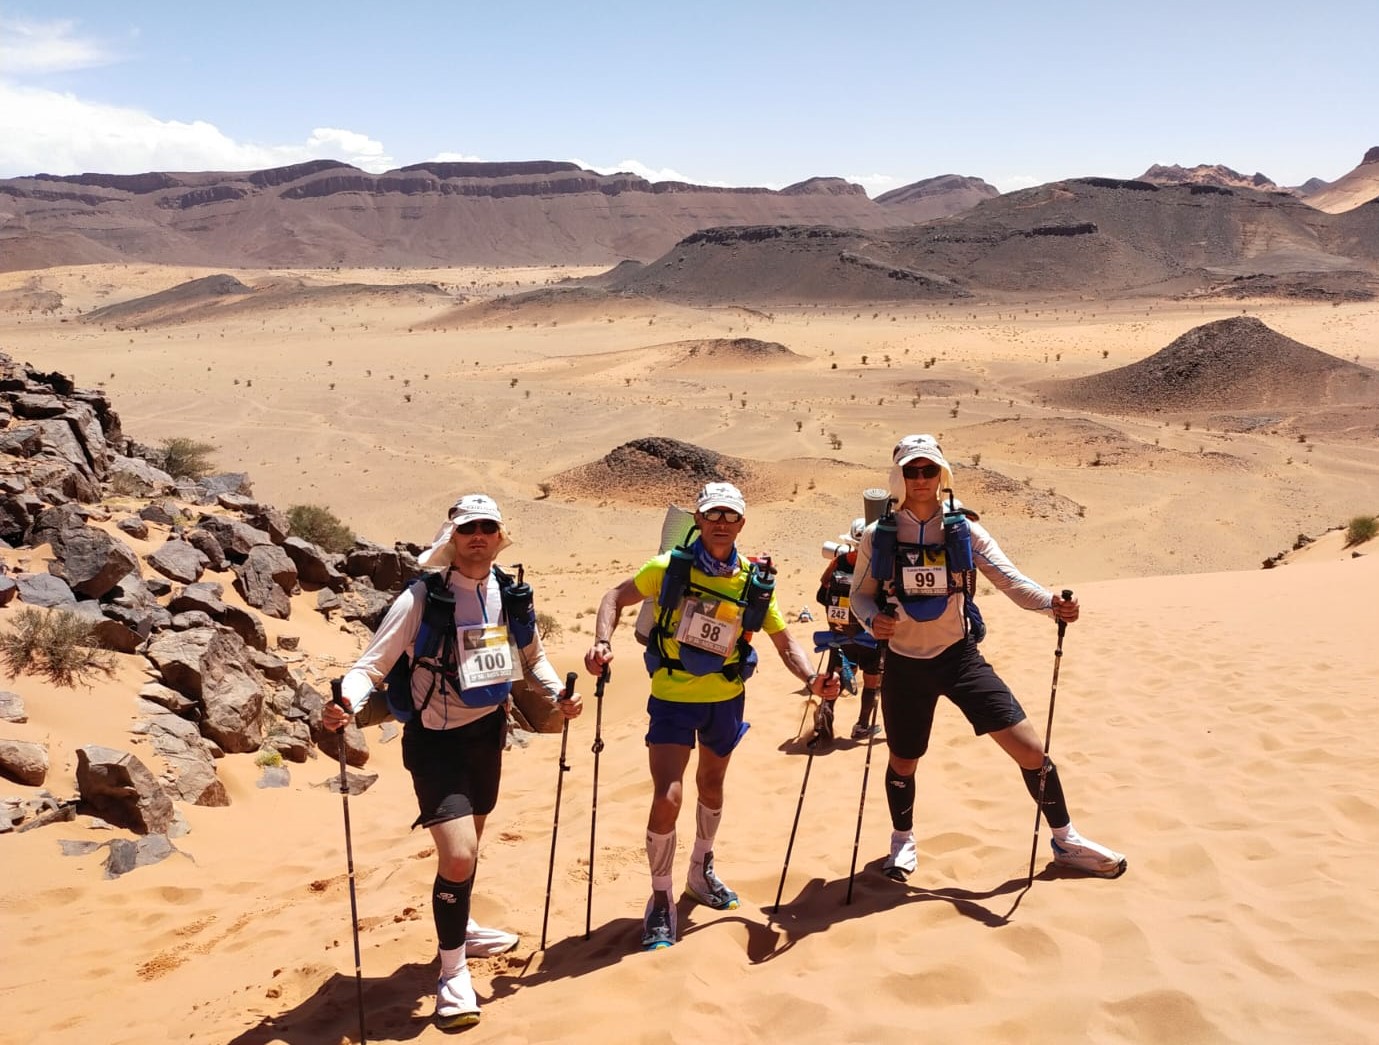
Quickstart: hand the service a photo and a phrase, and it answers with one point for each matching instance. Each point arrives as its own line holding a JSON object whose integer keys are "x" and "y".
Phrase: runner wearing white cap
{"x": 933, "y": 652}
{"x": 453, "y": 742}
{"x": 699, "y": 659}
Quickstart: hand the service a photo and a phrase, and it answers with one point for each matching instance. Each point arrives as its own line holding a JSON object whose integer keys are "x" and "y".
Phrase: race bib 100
{"x": 487, "y": 657}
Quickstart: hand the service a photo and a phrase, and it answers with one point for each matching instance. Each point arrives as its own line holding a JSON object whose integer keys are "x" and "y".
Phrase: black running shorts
{"x": 911, "y": 688}
{"x": 455, "y": 772}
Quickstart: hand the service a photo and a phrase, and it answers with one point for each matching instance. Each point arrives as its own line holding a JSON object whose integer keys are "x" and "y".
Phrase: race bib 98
{"x": 709, "y": 624}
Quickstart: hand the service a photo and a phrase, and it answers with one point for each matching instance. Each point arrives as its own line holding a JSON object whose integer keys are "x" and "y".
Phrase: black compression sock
{"x": 1055, "y": 805}
{"x": 450, "y": 908}
{"x": 900, "y": 796}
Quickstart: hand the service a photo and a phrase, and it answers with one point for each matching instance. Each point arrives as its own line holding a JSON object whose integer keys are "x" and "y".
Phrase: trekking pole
{"x": 594, "y": 810}
{"x": 559, "y": 785}
{"x": 338, "y": 698}
{"x": 883, "y": 646}
{"x": 799, "y": 807}
{"x": 1048, "y": 737}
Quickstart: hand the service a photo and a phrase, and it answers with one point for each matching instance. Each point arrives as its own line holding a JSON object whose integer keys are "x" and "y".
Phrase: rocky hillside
{"x": 1237, "y": 364}
{"x": 1089, "y": 235}
{"x": 189, "y": 613}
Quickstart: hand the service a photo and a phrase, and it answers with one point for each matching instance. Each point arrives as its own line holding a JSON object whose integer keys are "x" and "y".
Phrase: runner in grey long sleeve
{"x": 933, "y": 638}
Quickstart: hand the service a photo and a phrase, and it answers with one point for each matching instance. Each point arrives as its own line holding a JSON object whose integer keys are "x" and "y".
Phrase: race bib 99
{"x": 924, "y": 572}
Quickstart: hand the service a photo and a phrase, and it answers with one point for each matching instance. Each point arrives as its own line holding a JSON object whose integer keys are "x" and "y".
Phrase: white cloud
{"x": 1012, "y": 182}
{"x": 876, "y": 184}
{"x": 34, "y": 48}
{"x": 454, "y": 157}
{"x": 44, "y": 131}
{"x": 640, "y": 169}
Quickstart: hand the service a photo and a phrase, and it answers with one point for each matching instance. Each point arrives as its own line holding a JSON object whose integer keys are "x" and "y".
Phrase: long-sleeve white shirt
{"x": 923, "y": 640}
{"x": 476, "y": 602}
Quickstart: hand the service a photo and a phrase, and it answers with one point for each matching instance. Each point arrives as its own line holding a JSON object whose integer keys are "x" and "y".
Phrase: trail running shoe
{"x": 1089, "y": 857}
{"x": 904, "y": 856}
{"x": 707, "y": 888}
{"x": 863, "y": 730}
{"x": 823, "y": 726}
{"x": 658, "y": 924}
{"x": 485, "y": 943}
{"x": 456, "y": 1005}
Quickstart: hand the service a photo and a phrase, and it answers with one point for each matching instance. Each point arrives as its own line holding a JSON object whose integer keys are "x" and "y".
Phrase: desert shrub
{"x": 1360, "y": 529}
{"x": 550, "y": 628}
{"x": 320, "y": 526}
{"x": 184, "y": 458}
{"x": 57, "y": 645}
{"x": 269, "y": 756}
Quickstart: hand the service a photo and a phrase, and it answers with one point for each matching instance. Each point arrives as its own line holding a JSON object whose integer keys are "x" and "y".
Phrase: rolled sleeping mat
{"x": 674, "y": 530}
{"x": 874, "y": 503}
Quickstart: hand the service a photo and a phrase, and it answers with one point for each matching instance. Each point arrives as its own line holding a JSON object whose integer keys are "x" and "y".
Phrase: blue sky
{"x": 723, "y": 93}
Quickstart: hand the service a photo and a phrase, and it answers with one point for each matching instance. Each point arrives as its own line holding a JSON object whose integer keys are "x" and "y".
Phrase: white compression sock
{"x": 705, "y": 830}
{"x": 660, "y": 856}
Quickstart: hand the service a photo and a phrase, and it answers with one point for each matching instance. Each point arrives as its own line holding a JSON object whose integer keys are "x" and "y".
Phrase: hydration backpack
{"x": 435, "y": 652}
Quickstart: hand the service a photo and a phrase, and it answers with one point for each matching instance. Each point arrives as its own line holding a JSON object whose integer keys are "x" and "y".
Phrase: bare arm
{"x": 606, "y": 622}
{"x": 793, "y": 656}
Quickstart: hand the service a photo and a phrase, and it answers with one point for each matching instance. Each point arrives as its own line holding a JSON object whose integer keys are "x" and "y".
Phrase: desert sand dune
{"x": 1206, "y": 716}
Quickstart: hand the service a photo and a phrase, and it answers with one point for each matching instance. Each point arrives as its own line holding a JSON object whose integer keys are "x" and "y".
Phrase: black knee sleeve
{"x": 900, "y": 796}
{"x": 1055, "y": 805}
{"x": 450, "y": 908}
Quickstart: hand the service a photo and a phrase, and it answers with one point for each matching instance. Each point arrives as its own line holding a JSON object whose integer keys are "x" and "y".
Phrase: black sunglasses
{"x": 487, "y": 526}
{"x": 722, "y": 515}
{"x": 916, "y": 471}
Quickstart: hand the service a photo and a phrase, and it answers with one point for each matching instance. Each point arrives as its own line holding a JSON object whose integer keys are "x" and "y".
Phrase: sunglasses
{"x": 921, "y": 471}
{"x": 487, "y": 526}
{"x": 721, "y": 515}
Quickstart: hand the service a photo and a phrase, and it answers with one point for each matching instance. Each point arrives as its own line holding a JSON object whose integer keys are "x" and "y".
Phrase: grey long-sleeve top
{"x": 926, "y": 639}
{"x": 476, "y": 602}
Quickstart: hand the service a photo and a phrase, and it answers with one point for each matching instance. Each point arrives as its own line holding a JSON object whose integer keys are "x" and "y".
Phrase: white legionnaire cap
{"x": 855, "y": 531}
{"x": 470, "y": 508}
{"x": 912, "y": 448}
{"x": 721, "y": 495}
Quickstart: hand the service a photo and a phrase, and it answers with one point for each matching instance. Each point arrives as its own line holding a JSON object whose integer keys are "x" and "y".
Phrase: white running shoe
{"x": 1087, "y": 856}
{"x": 485, "y": 943}
{"x": 456, "y": 1004}
{"x": 904, "y": 856}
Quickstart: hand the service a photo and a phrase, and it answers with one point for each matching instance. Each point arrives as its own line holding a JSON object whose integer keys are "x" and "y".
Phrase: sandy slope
{"x": 1208, "y": 713}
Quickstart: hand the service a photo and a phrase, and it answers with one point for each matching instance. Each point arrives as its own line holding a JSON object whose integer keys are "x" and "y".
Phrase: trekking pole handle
{"x": 597, "y": 747}
{"x": 569, "y": 691}
{"x": 337, "y": 697}
{"x": 1066, "y": 594}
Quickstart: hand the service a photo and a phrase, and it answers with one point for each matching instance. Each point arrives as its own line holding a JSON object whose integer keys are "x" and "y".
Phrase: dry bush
{"x": 321, "y": 527}
{"x": 57, "y": 645}
{"x": 184, "y": 458}
{"x": 1360, "y": 529}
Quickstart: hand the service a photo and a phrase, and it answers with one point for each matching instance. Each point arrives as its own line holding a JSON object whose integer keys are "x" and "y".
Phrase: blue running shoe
{"x": 707, "y": 888}
{"x": 658, "y": 924}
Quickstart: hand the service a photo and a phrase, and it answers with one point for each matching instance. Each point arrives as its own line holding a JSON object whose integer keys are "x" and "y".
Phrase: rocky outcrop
{"x": 118, "y": 788}
{"x": 23, "y": 762}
